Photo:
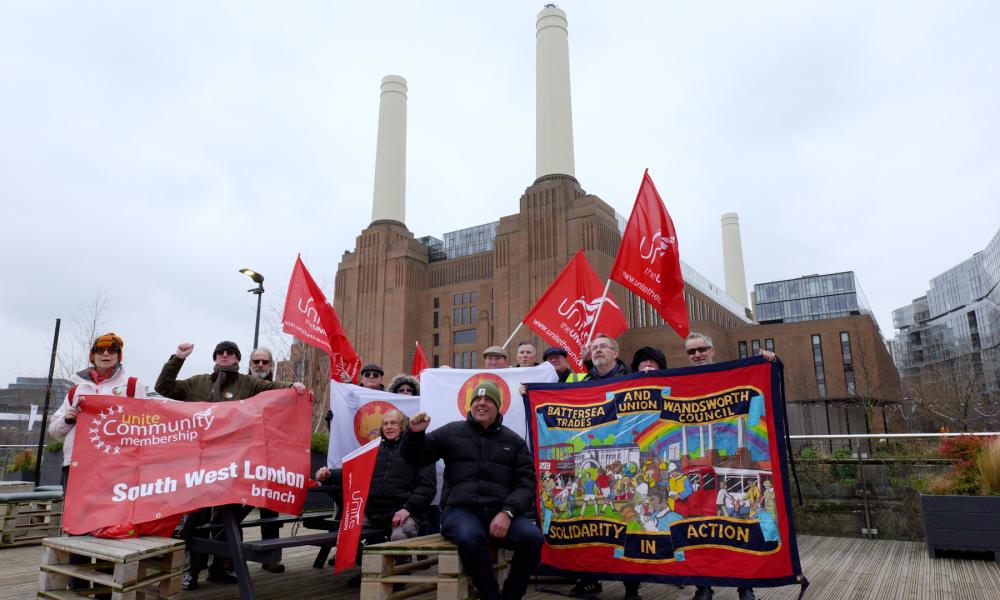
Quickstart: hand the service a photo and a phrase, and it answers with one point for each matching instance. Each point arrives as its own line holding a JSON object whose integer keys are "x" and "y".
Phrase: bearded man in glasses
{"x": 224, "y": 383}
{"x": 701, "y": 353}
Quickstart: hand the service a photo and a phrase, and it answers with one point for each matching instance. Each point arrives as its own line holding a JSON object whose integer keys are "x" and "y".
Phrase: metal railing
{"x": 866, "y": 483}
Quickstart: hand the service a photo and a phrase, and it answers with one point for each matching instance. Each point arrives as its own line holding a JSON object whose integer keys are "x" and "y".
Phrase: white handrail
{"x": 880, "y": 436}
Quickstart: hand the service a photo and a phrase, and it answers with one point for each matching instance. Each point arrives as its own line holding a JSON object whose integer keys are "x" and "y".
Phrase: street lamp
{"x": 259, "y": 280}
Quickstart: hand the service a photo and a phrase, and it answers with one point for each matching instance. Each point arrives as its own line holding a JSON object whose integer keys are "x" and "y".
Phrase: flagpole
{"x": 516, "y": 329}
{"x": 600, "y": 306}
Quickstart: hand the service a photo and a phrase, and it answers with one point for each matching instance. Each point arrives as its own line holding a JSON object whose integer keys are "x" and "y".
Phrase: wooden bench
{"x": 379, "y": 571}
{"x": 140, "y": 568}
{"x": 28, "y": 517}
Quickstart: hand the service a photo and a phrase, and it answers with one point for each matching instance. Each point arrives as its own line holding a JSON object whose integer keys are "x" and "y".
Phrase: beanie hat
{"x": 108, "y": 340}
{"x": 648, "y": 353}
{"x": 490, "y": 390}
{"x": 231, "y": 346}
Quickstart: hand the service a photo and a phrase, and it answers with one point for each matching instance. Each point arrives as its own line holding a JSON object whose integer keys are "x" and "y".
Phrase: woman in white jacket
{"x": 105, "y": 377}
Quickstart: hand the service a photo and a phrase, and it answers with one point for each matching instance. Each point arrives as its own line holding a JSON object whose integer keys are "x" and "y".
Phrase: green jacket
{"x": 199, "y": 387}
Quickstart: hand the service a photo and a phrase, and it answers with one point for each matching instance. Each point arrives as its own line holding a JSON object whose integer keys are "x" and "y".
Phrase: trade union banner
{"x": 357, "y": 417}
{"x": 672, "y": 476}
{"x": 139, "y": 460}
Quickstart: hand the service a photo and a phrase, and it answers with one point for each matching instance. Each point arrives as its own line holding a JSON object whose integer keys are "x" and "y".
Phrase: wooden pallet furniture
{"x": 434, "y": 566}
{"x": 129, "y": 569}
{"x": 29, "y": 517}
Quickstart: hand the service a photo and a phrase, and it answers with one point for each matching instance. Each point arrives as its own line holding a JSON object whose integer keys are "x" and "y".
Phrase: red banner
{"x": 564, "y": 315}
{"x": 649, "y": 259}
{"x": 310, "y": 318}
{"x": 419, "y": 362}
{"x": 358, "y": 467}
{"x": 139, "y": 460}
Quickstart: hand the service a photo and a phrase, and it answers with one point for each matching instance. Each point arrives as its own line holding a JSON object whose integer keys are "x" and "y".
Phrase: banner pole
{"x": 45, "y": 410}
{"x": 597, "y": 317}
{"x": 516, "y": 329}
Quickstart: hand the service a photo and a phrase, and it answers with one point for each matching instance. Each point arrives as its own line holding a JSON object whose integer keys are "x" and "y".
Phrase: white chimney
{"x": 553, "y": 109}
{"x": 732, "y": 258}
{"x": 389, "y": 200}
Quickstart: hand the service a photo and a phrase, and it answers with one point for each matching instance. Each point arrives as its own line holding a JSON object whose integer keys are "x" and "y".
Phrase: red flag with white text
{"x": 139, "y": 460}
{"x": 358, "y": 468}
{"x": 310, "y": 318}
{"x": 564, "y": 315}
{"x": 649, "y": 259}
{"x": 419, "y": 362}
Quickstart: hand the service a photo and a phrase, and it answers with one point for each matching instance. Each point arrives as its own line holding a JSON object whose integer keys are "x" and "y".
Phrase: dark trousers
{"x": 269, "y": 531}
{"x": 469, "y": 530}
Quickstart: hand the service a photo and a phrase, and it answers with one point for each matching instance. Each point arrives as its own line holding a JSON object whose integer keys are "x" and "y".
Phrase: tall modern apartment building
{"x": 954, "y": 329}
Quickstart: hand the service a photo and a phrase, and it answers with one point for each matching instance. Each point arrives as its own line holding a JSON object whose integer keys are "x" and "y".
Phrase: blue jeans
{"x": 469, "y": 530}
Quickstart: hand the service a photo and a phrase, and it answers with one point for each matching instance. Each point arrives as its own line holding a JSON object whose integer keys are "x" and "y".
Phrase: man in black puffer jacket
{"x": 489, "y": 487}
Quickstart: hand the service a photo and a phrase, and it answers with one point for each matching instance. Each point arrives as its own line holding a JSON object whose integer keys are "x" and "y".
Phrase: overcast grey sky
{"x": 150, "y": 150}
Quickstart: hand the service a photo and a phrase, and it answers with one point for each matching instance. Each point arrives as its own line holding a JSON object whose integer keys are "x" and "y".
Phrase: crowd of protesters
{"x": 488, "y": 491}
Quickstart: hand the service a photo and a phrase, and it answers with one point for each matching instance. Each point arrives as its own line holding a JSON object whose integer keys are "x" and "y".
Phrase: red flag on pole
{"x": 419, "y": 362}
{"x": 649, "y": 260}
{"x": 564, "y": 315}
{"x": 358, "y": 468}
{"x": 310, "y": 318}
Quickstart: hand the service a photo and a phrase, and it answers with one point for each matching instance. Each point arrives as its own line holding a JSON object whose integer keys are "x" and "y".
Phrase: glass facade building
{"x": 463, "y": 242}
{"x": 810, "y": 298}
{"x": 958, "y": 318}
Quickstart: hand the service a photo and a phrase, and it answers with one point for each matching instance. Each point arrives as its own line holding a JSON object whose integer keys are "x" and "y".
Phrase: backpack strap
{"x": 72, "y": 393}
{"x": 130, "y": 387}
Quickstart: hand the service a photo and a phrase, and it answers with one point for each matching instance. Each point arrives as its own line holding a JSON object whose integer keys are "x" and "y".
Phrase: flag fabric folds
{"x": 649, "y": 260}
{"x": 564, "y": 315}
{"x": 310, "y": 318}
{"x": 419, "y": 362}
{"x": 358, "y": 468}
{"x": 357, "y": 417}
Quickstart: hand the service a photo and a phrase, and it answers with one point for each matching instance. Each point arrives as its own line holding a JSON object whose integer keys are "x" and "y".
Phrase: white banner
{"x": 447, "y": 392}
{"x": 357, "y": 417}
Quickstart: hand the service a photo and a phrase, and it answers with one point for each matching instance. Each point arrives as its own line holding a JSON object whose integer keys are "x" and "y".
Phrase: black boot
{"x": 703, "y": 593}
{"x": 745, "y": 593}
{"x": 189, "y": 580}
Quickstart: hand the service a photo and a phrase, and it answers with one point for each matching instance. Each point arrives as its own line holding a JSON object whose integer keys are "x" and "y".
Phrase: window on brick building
{"x": 845, "y": 352}
{"x": 465, "y": 336}
{"x": 755, "y": 347}
{"x": 818, "y": 363}
{"x": 743, "y": 349}
{"x": 769, "y": 344}
{"x": 437, "y": 339}
{"x": 437, "y": 303}
{"x": 437, "y": 361}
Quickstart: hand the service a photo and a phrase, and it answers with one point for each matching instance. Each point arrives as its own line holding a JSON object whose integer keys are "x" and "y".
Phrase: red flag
{"x": 564, "y": 315}
{"x": 649, "y": 260}
{"x": 310, "y": 318}
{"x": 139, "y": 460}
{"x": 419, "y": 362}
{"x": 358, "y": 468}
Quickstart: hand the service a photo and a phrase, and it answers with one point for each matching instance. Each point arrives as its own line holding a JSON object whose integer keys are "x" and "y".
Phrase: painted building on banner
{"x": 468, "y": 289}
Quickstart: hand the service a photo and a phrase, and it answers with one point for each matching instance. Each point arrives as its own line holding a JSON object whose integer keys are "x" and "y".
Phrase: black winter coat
{"x": 398, "y": 484}
{"x": 486, "y": 470}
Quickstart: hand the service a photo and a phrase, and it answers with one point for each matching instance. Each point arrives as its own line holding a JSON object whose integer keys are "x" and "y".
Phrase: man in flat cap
{"x": 495, "y": 357}
{"x": 489, "y": 487}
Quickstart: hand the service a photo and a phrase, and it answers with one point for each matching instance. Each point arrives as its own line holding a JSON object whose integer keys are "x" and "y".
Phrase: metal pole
{"x": 256, "y": 327}
{"x": 45, "y": 410}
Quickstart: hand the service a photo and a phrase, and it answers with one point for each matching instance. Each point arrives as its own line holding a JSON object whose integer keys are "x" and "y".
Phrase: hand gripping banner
{"x": 139, "y": 460}
{"x": 672, "y": 476}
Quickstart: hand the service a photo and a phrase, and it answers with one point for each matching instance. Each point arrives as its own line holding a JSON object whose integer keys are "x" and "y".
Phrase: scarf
{"x": 222, "y": 377}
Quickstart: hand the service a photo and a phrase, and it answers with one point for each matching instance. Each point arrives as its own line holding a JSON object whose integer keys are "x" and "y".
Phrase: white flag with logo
{"x": 357, "y": 417}
{"x": 447, "y": 393}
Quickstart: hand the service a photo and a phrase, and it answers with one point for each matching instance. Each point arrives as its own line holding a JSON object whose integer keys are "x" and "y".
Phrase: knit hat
{"x": 648, "y": 353}
{"x": 108, "y": 340}
{"x": 490, "y": 390}
{"x": 231, "y": 346}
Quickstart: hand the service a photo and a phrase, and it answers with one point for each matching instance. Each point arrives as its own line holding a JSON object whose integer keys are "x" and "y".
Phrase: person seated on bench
{"x": 489, "y": 487}
{"x": 399, "y": 491}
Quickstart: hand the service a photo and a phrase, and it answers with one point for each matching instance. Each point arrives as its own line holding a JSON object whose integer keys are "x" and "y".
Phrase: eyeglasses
{"x": 601, "y": 347}
{"x": 371, "y": 374}
{"x": 113, "y": 349}
{"x": 405, "y": 390}
{"x": 701, "y": 349}
{"x": 261, "y": 361}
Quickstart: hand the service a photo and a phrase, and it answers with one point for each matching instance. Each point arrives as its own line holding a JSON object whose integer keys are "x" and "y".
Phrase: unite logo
{"x": 114, "y": 428}
{"x": 658, "y": 246}
{"x": 308, "y": 310}
{"x": 580, "y": 313}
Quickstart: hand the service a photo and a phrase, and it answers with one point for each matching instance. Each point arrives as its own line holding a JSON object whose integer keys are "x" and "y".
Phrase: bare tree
{"x": 87, "y": 325}
{"x": 953, "y": 394}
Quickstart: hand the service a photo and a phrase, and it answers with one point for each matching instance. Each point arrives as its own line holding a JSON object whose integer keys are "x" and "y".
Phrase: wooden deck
{"x": 838, "y": 569}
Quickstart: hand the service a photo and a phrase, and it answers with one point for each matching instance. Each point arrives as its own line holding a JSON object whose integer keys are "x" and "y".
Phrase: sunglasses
{"x": 113, "y": 349}
{"x": 701, "y": 349}
{"x": 371, "y": 374}
{"x": 403, "y": 389}
{"x": 226, "y": 352}
{"x": 261, "y": 361}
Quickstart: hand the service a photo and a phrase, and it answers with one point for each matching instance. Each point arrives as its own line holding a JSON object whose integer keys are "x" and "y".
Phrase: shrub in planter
{"x": 23, "y": 461}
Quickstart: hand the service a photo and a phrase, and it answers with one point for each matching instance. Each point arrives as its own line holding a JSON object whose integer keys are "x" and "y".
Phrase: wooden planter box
{"x": 961, "y": 523}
